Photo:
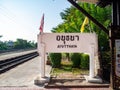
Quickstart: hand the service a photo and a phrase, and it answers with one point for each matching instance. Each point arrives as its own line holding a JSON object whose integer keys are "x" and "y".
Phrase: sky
{"x": 21, "y": 18}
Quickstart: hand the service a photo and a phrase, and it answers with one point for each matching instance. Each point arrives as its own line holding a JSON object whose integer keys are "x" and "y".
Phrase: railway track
{"x": 8, "y": 64}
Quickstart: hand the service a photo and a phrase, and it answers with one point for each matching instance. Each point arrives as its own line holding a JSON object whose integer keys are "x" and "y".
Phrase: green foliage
{"x": 23, "y": 44}
{"x": 84, "y": 61}
{"x": 75, "y": 58}
{"x": 3, "y": 45}
{"x": 56, "y": 59}
{"x": 106, "y": 59}
{"x": 18, "y": 44}
{"x": 73, "y": 19}
{"x": 68, "y": 56}
{"x": 66, "y": 68}
{"x": 106, "y": 64}
{"x": 80, "y": 60}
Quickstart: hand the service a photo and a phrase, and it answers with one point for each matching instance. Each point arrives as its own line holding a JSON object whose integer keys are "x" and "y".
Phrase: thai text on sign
{"x": 69, "y": 42}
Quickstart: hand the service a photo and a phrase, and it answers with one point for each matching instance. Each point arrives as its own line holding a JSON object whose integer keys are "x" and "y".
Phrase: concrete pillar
{"x": 42, "y": 61}
{"x": 41, "y": 51}
{"x": 41, "y": 79}
{"x": 92, "y": 63}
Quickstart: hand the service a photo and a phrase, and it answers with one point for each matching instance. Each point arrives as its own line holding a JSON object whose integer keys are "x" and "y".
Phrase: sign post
{"x": 92, "y": 62}
{"x": 42, "y": 61}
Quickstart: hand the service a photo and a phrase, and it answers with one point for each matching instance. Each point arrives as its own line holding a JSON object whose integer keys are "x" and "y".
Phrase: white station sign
{"x": 69, "y": 42}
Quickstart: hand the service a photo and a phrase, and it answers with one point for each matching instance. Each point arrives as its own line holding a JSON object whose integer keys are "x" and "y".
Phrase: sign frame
{"x": 89, "y": 42}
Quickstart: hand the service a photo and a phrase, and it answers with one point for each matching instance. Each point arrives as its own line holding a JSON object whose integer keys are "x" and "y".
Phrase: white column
{"x": 41, "y": 51}
{"x": 92, "y": 63}
{"x": 42, "y": 61}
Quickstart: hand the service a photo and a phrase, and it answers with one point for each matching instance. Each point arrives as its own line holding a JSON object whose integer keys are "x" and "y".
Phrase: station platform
{"x": 23, "y": 75}
{"x": 22, "y": 78}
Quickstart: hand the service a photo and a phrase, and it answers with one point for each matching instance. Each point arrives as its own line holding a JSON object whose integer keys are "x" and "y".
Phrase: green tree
{"x": 20, "y": 44}
{"x": 3, "y": 45}
{"x": 24, "y": 44}
{"x": 73, "y": 19}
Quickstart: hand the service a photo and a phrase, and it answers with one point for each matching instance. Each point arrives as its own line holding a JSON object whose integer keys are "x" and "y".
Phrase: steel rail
{"x": 8, "y": 64}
